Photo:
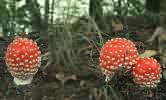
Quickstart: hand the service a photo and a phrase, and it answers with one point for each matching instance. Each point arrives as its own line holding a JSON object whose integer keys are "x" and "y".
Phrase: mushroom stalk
{"x": 18, "y": 81}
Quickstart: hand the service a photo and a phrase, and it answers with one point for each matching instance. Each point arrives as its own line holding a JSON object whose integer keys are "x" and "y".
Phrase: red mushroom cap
{"x": 147, "y": 72}
{"x": 23, "y": 58}
{"x": 117, "y": 52}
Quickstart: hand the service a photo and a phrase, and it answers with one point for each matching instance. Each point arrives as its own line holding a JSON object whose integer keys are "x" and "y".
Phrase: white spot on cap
{"x": 30, "y": 62}
{"x": 17, "y": 59}
{"x": 108, "y": 57}
{"x": 21, "y": 63}
{"x": 126, "y": 58}
{"x": 113, "y": 59}
{"x": 26, "y": 60}
{"x": 31, "y": 56}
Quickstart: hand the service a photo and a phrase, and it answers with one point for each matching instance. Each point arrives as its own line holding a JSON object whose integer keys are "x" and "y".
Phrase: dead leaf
{"x": 149, "y": 53}
{"x": 82, "y": 83}
{"x": 68, "y": 98}
{"x": 97, "y": 94}
{"x": 150, "y": 94}
{"x": 2, "y": 37}
{"x": 117, "y": 25}
{"x": 52, "y": 85}
{"x": 159, "y": 31}
{"x": 46, "y": 54}
{"x": 64, "y": 78}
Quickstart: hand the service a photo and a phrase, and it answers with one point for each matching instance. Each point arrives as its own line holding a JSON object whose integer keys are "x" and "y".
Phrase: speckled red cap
{"x": 115, "y": 53}
{"x": 23, "y": 58}
{"x": 147, "y": 72}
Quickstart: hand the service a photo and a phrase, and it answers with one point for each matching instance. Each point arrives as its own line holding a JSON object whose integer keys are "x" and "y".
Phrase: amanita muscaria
{"x": 23, "y": 58}
{"x": 116, "y": 53}
{"x": 147, "y": 72}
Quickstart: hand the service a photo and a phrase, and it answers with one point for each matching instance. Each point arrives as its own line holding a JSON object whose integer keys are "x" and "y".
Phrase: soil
{"x": 86, "y": 84}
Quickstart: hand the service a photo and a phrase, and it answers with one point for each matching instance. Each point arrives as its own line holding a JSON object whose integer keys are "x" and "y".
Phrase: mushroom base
{"x": 108, "y": 73}
{"x": 18, "y": 81}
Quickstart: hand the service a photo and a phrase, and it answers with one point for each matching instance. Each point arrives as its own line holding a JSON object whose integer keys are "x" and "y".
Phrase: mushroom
{"x": 22, "y": 60}
{"x": 116, "y": 53}
{"x": 147, "y": 72}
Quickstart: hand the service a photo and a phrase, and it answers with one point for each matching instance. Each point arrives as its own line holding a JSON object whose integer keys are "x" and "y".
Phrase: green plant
{"x": 110, "y": 94}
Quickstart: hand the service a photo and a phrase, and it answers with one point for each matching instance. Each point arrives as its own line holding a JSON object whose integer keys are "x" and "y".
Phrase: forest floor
{"x": 86, "y": 84}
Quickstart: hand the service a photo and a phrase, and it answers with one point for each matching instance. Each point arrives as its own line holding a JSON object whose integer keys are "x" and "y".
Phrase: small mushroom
{"x": 116, "y": 53}
{"x": 23, "y": 58}
{"x": 147, "y": 72}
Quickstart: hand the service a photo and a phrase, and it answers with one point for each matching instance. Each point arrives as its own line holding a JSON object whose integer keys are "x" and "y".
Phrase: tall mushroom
{"x": 147, "y": 72}
{"x": 23, "y": 59}
{"x": 115, "y": 53}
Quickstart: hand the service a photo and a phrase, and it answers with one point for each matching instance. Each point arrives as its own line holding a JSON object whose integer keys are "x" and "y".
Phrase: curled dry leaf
{"x": 117, "y": 25}
{"x": 149, "y": 53}
{"x": 64, "y": 78}
{"x": 97, "y": 94}
{"x": 69, "y": 97}
{"x": 2, "y": 37}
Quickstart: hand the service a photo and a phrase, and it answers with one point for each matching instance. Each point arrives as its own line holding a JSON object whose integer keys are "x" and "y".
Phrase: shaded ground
{"x": 88, "y": 83}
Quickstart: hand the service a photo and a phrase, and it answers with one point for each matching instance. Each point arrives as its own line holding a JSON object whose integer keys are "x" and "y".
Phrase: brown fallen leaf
{"x": 64, "y": 78}
{"x": 2, "y": 37}
{"x": 149, "y": 53}
{"x": 67, "y": 98}
{"x": 82, "y": 83}
{"x": 97, "y": 94}
{"x": 116, "y": 24}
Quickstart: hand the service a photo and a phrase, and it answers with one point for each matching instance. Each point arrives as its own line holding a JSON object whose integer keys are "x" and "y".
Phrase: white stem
{"x": 107, "y": 78}
{"x": 18, "y": 81}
